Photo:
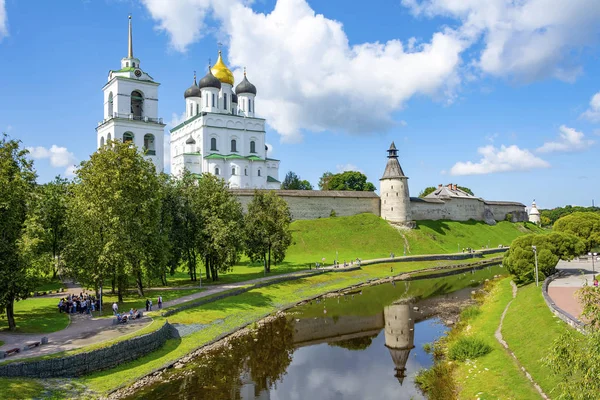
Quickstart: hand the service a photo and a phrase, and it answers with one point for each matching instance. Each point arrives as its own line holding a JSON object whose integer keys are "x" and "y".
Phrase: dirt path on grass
{"x": 498, "y": 335}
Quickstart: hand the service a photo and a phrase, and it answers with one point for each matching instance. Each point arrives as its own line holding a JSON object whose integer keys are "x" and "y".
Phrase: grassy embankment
{"x": 529, "y": 329}
{"x": 229, "y": 314}
{"x": 365, "y": 236}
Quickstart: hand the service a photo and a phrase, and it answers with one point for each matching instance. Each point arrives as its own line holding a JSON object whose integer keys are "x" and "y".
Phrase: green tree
{"x": 584, "y": 225}
{"x": 293, "y": 182}
{"x": 520, "y": 261}
{"x": 46, "y": 226}
{"x": 428, "y": 190}
{"x": 17, "y": 183}
{"x": 555, "y": 214}
{"x": 465, "y": 189}
{"x": 349, "y": 180}
{"x": 267, "y": 228}
{"x": 324, "y": 180}
{"x": 114, "y": 218}
{"x": 221, "y": 221}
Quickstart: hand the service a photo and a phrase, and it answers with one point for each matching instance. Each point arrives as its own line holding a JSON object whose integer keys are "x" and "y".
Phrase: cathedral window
{"x": 108, "y": 138}
{"x": 102, "y": 141}
{"x": 216, "y": 170}
{"x": 206, "y": 101}
{"x": 137, "y": 102}
{"x": 232, "y": 170}
{"x": 225, "y": 101}
{"x": 191, "y": 109}
{"x": 259, "y": 172}
{"x": 127, "y": 137}
{"x": 213, "y": 99}
{"x": 213, "y": 144}
{"x": 149, "y": 144}
{"x": 252, "y": 146}
{"x": 233, "y": 145}
{"x": 249, "y": 105}
{"x": 246, "y": 171}
{"x": 127, "y": 64}
{"x": 197, "y": 108}
{"x": 110, "y": 105}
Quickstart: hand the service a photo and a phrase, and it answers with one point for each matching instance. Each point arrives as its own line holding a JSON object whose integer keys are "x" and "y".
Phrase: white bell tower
{"x": 131, "y": 109}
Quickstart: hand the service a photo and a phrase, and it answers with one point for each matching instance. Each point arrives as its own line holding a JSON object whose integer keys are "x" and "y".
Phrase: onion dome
{"x": 245, "y": 86}
{"x": 209, "y": 80}
{"x": 234, "y": 98}
{"x": 192, "y": 91}
{"x": 221, "y": 72}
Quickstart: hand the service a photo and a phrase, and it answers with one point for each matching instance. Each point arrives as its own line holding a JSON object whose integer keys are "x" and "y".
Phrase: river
{"x": 364, "y": 344}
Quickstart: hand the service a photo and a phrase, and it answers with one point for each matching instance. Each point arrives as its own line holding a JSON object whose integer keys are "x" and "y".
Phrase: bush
{"x": 509, "y": 217}
{"x": 469, "y": 313}
{"x": 333, "y": 213}
{"x": 468, "y": 348}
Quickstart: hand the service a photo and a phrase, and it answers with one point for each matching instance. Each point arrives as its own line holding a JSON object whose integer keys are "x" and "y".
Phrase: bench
{"x": 10, "y": 352}
{"x": 31, "y": 345}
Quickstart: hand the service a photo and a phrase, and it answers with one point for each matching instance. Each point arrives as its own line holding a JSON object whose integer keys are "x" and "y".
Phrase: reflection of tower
{"x": 399, "y": 336}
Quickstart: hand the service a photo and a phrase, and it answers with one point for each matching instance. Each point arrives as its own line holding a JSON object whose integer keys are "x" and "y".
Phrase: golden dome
{"x": 221, "y": 71}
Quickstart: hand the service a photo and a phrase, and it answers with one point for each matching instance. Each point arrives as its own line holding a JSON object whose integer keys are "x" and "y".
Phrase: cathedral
{"x": 220, "y": 134}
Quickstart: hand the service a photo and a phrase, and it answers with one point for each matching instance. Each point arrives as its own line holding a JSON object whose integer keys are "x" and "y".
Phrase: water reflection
{"x": 399, "y": 336}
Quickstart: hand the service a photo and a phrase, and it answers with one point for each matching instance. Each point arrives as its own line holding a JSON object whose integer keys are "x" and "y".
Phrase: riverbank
{"x": 528, "y": 328}
{"x": 214, "y": 320}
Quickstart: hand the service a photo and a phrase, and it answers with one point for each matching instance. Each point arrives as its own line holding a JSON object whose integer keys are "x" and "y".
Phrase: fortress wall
{"x": 453, "y": 209}
{"x": 312, "y": 329}
{"x": 500, "y": 210}
{"x": 309, "y": 205}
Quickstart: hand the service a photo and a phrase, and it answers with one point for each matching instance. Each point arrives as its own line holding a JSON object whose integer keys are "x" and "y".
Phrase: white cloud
{"x": 167, "y": 153}
{"x": 270, "y": 149}
{"x": 347, "y": 167}
{"x": 502, "y": 159}
{"x": 3, "y": 20}
{"x": 70, "y": 171}
{"x": 524, "y": 39}
{"x": 176, "y": 119}
{"x": 58, "y": 156}
{"x": 593, "y": 113}
{"x": 307, "y": 74}
{"x": 569, "y": 140}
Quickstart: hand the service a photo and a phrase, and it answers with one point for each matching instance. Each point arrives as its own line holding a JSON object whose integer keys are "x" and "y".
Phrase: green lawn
{"x": 132, "y": 300}
{"x": 495, "y": 375}
{"x": 17, "y": 388}
{"x": 37, "y": 315}
{"x": 529, "y": 329}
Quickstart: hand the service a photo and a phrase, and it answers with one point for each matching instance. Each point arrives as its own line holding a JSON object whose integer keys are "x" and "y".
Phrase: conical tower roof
{"x": 393, "y": 168}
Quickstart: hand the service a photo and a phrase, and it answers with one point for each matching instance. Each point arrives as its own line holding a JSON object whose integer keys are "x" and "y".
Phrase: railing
{"x": 133, "y": 118}
{"x": 150, "y": 152}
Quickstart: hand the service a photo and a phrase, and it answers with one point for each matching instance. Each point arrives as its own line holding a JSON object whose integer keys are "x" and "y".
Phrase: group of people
{"x": 84, "y": 303}
{"x": 149, "y": 303}
{"x": 123, "y": 318}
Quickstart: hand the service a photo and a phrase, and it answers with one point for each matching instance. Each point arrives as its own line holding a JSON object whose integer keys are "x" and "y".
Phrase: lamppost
{"x": 593, "y": 255}
{"x": 536, "y": 265}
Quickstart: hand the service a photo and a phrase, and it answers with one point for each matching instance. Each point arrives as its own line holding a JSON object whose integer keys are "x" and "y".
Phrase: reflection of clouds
{"x": 331, "y": 373}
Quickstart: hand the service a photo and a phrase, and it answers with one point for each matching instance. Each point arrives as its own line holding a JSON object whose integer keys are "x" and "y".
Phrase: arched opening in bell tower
{"x": 128, "y": 137}
{"x": 137, "y": 104}
{"x": 149, "y": 144}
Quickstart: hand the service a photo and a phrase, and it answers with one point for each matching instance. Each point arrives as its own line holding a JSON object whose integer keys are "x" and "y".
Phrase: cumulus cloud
{"x": 307, "y": 74}
{"x": 3, "y": 20}
{"x": 593, "y": 113}
{"x": 525, "y": 39}
{"x": 502, "y": 159}
{"x": 59, "y": 157}
{"x": 569, "y": 140}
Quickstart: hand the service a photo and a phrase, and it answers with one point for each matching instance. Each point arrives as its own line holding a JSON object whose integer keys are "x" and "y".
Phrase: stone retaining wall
{"x": 95, "y": 360}
{"x": 556, "y": 310}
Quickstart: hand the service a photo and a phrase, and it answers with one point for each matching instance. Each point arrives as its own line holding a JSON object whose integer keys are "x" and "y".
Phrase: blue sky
{"x": 494, "y": 96}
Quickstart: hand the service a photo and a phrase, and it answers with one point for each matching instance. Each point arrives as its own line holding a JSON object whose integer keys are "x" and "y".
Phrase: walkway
{"x": 562, "y": 290}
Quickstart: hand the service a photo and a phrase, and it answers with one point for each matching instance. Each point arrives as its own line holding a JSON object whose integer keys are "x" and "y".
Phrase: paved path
{"x": 562, "y": 290}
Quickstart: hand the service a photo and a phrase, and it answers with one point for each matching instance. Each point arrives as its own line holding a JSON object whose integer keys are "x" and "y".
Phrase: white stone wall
{"x": 461, "y": 210}
{"x": 313, "y": 207}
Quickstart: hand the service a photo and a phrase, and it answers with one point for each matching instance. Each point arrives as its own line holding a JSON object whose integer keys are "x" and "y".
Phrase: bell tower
{"x": 131, "y": 109}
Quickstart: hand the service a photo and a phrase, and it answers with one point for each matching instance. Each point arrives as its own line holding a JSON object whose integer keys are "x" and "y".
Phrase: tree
{"x": 324, "y": 180}
{"x": 428, "y": 190}
{"x": 348, "y": 180}
{"x": 17, "y": 183}
{"x": 520, "y": 262}
{"x": 293, "y": 182}
{"x": 465, "y": 189}
{"x": 584, "y": 225}
{"x": 555, "y": 214}
{"x": 267, "y": 228}
{"x": 221, "y": 219}
{"x": 46, "y": 226}
{"x": 114, "y": 218}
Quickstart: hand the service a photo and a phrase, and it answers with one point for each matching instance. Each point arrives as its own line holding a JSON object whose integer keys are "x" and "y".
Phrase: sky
{"x": 499, "y": 96}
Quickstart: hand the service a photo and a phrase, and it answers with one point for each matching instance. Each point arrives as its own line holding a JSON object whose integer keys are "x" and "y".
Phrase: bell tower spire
{"x": 130, "y": 48}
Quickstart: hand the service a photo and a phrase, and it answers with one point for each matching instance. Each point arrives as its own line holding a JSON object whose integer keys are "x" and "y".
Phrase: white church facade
{"x": 221, "y": 134}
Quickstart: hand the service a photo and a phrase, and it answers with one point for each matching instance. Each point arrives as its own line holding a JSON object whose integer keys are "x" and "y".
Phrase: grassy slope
{"x": 367, "y": 236}
{"x": 37, "y": 315}
{"x": 529, "y": 329}
{"x": 495, "y": 375}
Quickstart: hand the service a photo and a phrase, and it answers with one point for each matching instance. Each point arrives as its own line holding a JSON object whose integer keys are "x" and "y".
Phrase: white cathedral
{"x": 220, "y": 133}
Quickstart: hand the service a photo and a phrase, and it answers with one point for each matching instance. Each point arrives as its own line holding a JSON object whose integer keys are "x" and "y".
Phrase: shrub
{"x": 333, "y": 213}
{"x": 509, "y": 217}
{"x": 468, "y": 348}
{"x": 437, "y": 382}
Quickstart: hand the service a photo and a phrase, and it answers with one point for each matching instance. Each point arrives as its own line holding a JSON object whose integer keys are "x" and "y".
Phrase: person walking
{"x": 115, "y": 308}
{"x": 160, "y": 302}
{"x": 147, "y": 304}
{"x": 150, "y": 304}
